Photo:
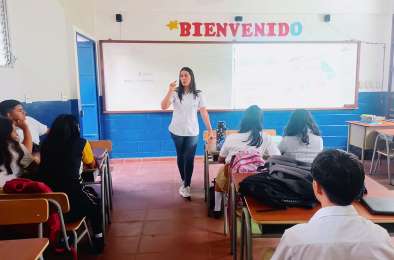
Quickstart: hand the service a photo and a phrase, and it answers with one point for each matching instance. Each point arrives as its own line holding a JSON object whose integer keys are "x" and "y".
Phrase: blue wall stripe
{"x": 146, "y": 134}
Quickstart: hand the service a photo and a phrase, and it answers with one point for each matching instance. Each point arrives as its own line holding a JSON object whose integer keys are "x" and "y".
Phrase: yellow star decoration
{"x": 172, "y": 25}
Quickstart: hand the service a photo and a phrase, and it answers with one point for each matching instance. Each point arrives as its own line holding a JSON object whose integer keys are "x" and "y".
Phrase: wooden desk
{"x": 259, "y": 213}
{"x": 23, "y": 249}
{"x": 102, "y": 157}
{"x": 362, "y": 135}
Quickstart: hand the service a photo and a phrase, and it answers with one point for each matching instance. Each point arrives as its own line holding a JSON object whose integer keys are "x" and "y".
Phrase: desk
{"x": 299, "y": 215}
{"x": 101, "y": 156}
{"x": 23, "y": 249}
{"x": 362, "y": 135}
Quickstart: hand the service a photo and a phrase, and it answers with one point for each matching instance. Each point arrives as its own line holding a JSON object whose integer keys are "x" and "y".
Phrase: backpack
{"x": 247, "y": 161}
{"x": 287, "y": 184}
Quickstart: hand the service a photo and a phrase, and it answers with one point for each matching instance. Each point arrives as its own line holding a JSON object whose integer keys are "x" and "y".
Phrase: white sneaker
{"x": 181, "y": 188}
{"x": 186, "y": 192}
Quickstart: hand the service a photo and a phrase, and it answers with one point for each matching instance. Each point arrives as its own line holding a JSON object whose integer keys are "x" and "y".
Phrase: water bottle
{"x": 220, "y": 134}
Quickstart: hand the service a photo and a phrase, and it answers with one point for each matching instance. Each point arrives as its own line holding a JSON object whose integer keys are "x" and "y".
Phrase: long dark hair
{"x": 252, "y": 122}
{"x": 57, "y": 148}
{"x": 6, "y": 128}
{"x": 193, "y": 88}
{"x": 301, "y": 121}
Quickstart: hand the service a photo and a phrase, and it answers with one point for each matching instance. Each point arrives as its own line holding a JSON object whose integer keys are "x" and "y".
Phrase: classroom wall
{"x": 368, "y": 21}
{"x": 41, "y": 34}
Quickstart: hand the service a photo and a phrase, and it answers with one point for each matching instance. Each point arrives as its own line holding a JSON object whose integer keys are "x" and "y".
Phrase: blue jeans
{"x": 185, "y": 151}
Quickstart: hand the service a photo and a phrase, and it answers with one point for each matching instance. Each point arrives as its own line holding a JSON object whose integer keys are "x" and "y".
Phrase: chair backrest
{"x": 271, "y": 132}
{"x": 23, "y": 211}
{"x": 104, "y": 144}
{"x": 60, "y": 197}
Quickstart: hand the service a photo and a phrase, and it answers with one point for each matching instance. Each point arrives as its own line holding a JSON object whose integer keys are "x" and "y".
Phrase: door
{"x": 89, "y": 112}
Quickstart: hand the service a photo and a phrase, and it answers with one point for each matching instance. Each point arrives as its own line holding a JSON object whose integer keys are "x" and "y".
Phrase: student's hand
{"x": 172, "y": 86}
{"x": 22, "y": 124}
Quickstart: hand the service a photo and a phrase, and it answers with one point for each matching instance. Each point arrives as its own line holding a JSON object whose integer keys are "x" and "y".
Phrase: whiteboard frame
{"x": 102, "y": 77}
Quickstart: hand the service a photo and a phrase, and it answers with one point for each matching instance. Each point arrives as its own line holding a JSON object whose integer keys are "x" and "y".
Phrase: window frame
{"x": 4, "y": 30}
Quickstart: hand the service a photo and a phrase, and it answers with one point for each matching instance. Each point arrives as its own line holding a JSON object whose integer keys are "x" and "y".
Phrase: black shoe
{"x": 217, "y": 214}
{"x": 99, "y": 245}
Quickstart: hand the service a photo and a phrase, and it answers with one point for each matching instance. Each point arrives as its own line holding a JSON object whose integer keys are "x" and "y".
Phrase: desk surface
{"x": 263, "y": 214}
{"x": 23, "y": 249}
{"x": 378, "y": 124}
{"x": 388, "y": 132}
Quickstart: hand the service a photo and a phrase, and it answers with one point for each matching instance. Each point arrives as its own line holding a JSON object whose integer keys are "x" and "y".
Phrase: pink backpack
{"x": 247, "y": 161}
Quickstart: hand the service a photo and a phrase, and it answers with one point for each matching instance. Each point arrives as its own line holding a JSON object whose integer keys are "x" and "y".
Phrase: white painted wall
{"x": 368, "y": 21}
{"x": 42, "y": 41}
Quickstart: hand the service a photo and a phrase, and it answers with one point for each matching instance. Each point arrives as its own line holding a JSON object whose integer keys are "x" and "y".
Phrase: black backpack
{"x": 288, "y": 183}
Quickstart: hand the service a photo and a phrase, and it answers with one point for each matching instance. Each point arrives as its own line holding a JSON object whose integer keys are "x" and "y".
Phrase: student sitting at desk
{"x": 249, "y": 137}
{"x": 62, "y": 153}
{"x": 14, "y": 110}
{"x": 336, "y": 231}
{"x": 15, "y": 159}
{"x": 302, "y": 140}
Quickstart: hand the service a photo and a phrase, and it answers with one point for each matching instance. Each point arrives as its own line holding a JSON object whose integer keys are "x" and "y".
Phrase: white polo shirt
{"x": 16, "y": 167}
{"x": 184, "y": 120}
{"x": 36, "y": 130}
{"x": 335, "y": 233}
{"x": 293, "y": 147}
{"x": 238, "y": 142}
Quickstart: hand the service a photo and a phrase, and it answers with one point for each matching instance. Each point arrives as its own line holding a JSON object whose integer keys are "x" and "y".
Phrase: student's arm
{"x": 87, "y": 156}
{"x": 166, "y": 102}
{"x": 27, "y": 140}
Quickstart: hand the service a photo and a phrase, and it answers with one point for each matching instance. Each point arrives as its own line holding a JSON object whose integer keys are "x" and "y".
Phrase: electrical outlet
{"x": 28, "y": 99}
{"x": 63, "y": 97}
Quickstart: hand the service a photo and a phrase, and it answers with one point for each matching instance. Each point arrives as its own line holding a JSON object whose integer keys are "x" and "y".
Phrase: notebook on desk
{"x": 381, "y": 206}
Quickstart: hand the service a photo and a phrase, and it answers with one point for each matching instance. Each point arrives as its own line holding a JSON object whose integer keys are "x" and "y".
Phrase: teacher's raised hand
{"x": 172, "y": 86}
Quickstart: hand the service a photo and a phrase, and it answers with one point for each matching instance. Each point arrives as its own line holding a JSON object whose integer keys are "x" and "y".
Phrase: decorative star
{"x": 172, "y": 25}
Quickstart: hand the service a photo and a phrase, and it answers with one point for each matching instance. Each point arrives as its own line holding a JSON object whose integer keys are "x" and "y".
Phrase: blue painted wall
{"x": 146, "y": 134}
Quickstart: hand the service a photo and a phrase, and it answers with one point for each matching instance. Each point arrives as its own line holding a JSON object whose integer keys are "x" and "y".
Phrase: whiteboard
{"x": 273, "y": 75}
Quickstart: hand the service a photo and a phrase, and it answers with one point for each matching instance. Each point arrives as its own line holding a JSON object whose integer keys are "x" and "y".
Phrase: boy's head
{"x": 340, "y": 175}
{"x": 12, "y": 109}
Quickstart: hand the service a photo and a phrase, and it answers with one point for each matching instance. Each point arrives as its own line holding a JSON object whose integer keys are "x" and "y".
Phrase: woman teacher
{"x": 184, "y": 128}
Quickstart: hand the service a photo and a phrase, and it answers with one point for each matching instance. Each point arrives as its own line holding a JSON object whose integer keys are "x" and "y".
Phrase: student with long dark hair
{"x": 302, "y": 139}
{"x": 250, "y": 136}
{"x": 62, "y": 154}
{"x": 15, "y": 159}
{"x": 184, "y": 128}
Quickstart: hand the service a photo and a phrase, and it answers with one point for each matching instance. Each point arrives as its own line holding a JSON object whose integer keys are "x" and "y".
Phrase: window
{"x": 5, "y": 51}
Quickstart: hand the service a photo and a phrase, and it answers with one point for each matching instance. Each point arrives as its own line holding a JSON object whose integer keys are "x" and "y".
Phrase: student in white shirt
{"x": 184, "y": 128}
{"x": 14, "y": 110}
{"x": 250, "y": 136}
{"x": 336, "y": 231}
{"x": 15, "y": 159}
{"x": 302, "y": 139}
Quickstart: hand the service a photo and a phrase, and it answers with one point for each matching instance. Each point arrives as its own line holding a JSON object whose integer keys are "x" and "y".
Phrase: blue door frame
{"x": 89, "y": 100}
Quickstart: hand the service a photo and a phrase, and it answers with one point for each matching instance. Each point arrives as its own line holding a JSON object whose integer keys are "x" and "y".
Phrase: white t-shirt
{"x": 184, "y": 120}
{"x": 293, "y": 147}
{"x": 17, "y": 169}
{"x": 36, "y": 130}
{"x": 335, "y": 233}
{"x": 238, "y": 142}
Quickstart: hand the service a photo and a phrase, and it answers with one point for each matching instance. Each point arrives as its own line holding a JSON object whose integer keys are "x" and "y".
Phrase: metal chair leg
{"x": 388, "y": 160}
{"x": 371, "y": 171}
{"x": 88, "y": 234}
{"x": 233, "y": 219}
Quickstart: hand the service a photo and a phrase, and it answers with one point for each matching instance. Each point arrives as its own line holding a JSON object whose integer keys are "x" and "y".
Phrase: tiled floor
{"x": 151, "y": 221}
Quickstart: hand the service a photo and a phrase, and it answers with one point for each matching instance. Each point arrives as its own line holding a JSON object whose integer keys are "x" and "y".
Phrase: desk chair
{"x": 60, "y": 202}
{"x": 107, "y": 145}
{"x": 24, "y": 211}
{"x": 383, "y": 147}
